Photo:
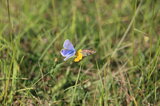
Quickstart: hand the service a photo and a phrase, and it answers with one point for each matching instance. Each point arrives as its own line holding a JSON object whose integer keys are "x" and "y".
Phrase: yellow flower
{"x": 79, "y": 56}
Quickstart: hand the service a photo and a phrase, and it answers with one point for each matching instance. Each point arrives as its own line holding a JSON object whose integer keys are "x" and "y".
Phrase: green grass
{"x": 124, "y": 71}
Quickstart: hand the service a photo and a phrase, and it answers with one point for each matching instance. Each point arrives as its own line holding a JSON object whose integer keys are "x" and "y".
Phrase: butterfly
{"x": 87, "y": 52}
{"x": 69, "y": 51}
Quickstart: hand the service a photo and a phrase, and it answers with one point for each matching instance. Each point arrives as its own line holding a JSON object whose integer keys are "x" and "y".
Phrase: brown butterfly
{"x": 87, "y": 52}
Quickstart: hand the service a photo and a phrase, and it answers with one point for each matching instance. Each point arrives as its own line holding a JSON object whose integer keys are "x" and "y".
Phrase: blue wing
{"x": 69, "y": 56}
{"x": 68, "y": 45}
{"x": 67, "y": 53}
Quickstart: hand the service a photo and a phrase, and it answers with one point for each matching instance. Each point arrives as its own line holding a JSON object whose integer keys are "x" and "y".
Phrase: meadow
{"x": 124, "y": 71}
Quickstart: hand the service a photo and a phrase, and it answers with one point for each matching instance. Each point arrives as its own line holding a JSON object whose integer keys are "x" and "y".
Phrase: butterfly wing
{"x": 68, "y": 45}
{"x": 67, "y": 53}
{"x": 88, "y": 52}
{"x": 69, "y": 56}
{"x": 68, "y": 50}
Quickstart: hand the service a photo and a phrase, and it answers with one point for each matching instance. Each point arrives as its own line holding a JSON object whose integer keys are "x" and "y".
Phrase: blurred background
{"x": 124, "y": 71}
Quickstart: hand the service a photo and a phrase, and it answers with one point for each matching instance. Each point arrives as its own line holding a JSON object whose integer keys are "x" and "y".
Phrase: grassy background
{"x": 124, "y": 71}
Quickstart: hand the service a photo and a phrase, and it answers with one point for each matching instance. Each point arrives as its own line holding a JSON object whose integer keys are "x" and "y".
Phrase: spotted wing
{"x": 88, "y": 52}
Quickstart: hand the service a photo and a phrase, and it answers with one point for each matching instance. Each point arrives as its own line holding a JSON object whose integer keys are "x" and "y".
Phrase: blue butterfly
{"x": 68, "y": 51}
